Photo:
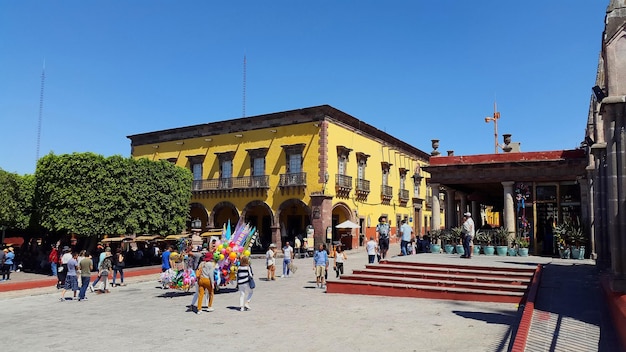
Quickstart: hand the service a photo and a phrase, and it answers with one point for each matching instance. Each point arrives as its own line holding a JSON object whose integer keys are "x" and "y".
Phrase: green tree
{"x": 9, "y": 199}
{"x": 88, "y": 194}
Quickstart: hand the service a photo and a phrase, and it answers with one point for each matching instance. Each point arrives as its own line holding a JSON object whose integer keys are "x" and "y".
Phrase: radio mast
{"x": 43, "y": 80}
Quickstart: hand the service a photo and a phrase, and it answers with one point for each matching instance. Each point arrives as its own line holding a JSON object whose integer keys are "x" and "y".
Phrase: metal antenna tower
{"x": 43, "y": 81}
{"x": 244, "y": 87}
{"x": 494, "y": 118}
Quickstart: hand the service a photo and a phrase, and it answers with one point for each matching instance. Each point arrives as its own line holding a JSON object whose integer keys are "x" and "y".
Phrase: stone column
{"x": 451, "y": 218}
{"x": 599, "y": 207}
{"x": 321, "y": 215}
{"x": 462, "y": 205}
{"x": 509, "y": 206}
{"x": 436, "y": 207}
{"x": 616, "y": 162}
{"x": 476, "y": 215}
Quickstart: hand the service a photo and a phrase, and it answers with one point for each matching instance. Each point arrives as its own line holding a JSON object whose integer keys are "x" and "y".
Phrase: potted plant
{"x": 502, "y": 240}
{"x": 435, "y": 240}
{"x": 477, "y": 242}
{"x": 486, "y": 240}
{"x": 523, "y": 244}
{"x": 447, "y": 240}
{"x": 560, "y": 238}
{"x": 457, "y": 234}
{"x": 576, "y": 238}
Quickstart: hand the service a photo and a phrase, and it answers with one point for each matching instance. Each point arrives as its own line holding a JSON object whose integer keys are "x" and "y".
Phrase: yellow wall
{"x": 275, "y": 160}
{"x": 371, "y": 207}
{"x": 276, "y": 164}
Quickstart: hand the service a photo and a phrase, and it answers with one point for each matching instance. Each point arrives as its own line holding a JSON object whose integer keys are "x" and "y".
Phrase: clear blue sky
{"x": 417, "y": 69}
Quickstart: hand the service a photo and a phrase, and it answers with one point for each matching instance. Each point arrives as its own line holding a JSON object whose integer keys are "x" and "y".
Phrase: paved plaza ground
{"x": 289, "y": 314}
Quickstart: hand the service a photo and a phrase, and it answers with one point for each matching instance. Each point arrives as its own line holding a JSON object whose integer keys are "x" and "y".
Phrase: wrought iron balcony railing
{"x": 386, "y": 191}
{"x": 403, "y": 195}
{"x": 343, "y": 181}
{"x": 362, "y": 185}
{"x": 292, "y": 179}
{"x": 245, "y": 182}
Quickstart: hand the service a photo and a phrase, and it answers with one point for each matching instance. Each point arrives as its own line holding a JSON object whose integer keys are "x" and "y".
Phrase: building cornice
{"x": 314, "y": 114}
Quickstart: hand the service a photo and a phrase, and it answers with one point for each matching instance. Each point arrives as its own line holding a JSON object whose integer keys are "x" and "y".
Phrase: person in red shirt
{"x": 53, "y": 258}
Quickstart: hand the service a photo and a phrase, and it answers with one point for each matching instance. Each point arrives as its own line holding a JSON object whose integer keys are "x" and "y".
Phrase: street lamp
{"x": 196, "y": 224}
{"x": 495, "y": 118}
{"x": 326, "y": 178}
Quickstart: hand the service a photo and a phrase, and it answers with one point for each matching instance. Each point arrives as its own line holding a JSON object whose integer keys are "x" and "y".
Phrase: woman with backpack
{"x": 206, "y": 281}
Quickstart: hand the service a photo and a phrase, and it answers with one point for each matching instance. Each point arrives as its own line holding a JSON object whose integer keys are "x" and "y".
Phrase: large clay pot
{"x": 489, "y": 250}
{"x": 435, "y": 248}
{"x": 502, "y": 250}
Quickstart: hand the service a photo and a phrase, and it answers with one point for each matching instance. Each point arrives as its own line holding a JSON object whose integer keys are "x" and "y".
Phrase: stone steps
{"x": 437, "y": 281}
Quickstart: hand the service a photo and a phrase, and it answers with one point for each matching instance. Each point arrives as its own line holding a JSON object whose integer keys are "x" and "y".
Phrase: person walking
{"x": 165, "y": 259}
{"x": 86, "y": 266}
{"x": 407, "y": 235}
{"x": 3, "y": 255}
{"x": 382, "y": 229}
{"x": 71, "y": 280}
{"x": 340, "y": 258}
{"x": 65, "y": 257}
{"x": 101, "y": 257}
{"x": 288, "y": 255}
{"x": 244, "y": 275}
{"x": 53, "y": 259}
{"x": 468, "y": 232}
{"x": 6, "y": 265}
{"x": 206, "y": 281}
{"x": 372, "y": 250}
{"x": 270, "y": 260}
{"x": 104, "y": 271}
{"x": 320, "y": 265}
{"x": 9, "y": 257}
{"x": 118, "y": 266}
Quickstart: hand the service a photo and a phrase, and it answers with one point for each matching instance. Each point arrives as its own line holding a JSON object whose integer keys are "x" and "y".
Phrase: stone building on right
{"x": 606, "y": 141}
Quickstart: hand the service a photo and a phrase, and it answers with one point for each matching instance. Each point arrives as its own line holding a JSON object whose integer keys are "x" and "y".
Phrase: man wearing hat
{"x": 468, "y": 235}
{"x": 382, "y": 229}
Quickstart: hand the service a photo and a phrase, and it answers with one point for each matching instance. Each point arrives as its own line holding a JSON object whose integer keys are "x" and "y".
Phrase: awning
{"x": 14, "y": 241}
{"x": 147, "y": 238}
{"x": 217, "y": 233}
{"x": 116, "y": 239}
{"x": 348, "y": 225}
{"x": 177, "y": 237}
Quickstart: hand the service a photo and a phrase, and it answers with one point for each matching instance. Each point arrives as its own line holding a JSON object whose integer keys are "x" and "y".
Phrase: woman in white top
{"x": 340, "y": 257}
{"x": 244, "y": 275}
{"x": 270, "y": 259}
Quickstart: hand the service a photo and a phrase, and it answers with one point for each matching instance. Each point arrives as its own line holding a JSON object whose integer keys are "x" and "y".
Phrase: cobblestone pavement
{"x": 287, "y": 314}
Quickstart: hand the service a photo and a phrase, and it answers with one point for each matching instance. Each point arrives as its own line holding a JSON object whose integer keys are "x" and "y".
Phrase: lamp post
{"x": 495, "y": 118}
{"x": 196, "y": 225}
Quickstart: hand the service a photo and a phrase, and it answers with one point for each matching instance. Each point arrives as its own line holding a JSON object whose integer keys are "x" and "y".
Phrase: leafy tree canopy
{"x": 88, "y": 194}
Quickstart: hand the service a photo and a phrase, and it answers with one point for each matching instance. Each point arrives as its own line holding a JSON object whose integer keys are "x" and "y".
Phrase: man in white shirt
{"x": 468, "y": 235}
{"x": 288, "y": 255}
{"x": 407, "y": 235}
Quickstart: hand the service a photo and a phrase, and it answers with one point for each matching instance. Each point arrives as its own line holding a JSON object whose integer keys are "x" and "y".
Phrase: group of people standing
{"x": 70, "y": 265}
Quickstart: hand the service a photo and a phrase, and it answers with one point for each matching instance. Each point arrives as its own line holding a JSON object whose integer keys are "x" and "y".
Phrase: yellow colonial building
{"x": 297, "y": 174}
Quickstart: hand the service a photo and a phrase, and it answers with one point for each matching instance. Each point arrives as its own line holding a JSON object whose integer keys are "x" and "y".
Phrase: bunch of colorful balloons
{"x": 227, "y": 256}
